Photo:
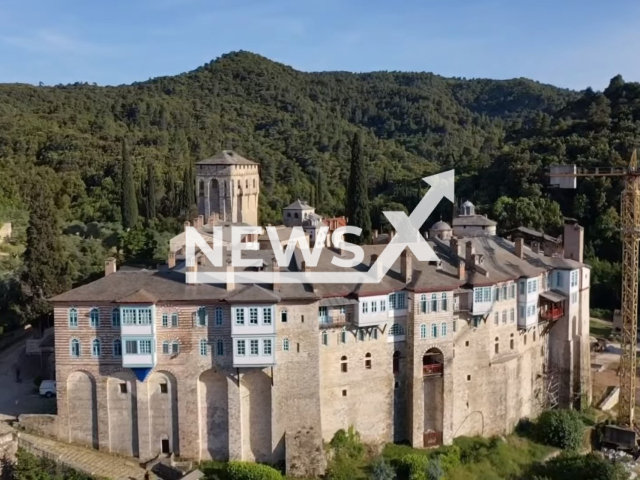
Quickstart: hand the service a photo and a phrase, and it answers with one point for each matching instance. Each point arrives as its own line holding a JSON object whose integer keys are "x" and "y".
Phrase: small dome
{"x": 440, "y": 226}
{"x": 467, "y": 204}
{"x": 467, "y": 208}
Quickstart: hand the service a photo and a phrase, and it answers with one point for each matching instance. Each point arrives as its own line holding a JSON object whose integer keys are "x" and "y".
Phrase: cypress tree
{"x": 188, "y": 190}
{"x": 357, "y": 207}
{"x": 151, "y": 193}
{"x": 319, "y": 192}
{"x": 45, "y": 269}
{"x": 129, "y": 202}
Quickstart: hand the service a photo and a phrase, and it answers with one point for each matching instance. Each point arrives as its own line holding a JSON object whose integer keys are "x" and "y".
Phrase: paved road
{"x": 17, "y": 398}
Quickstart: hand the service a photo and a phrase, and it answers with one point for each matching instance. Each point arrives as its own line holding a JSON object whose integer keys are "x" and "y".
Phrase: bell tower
{"x": 228, "y": 187}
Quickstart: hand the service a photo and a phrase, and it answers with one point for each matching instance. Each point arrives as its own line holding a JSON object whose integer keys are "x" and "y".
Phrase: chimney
{"x": 212, "y": 219}
{"x": 519, "y": 247}
{"x": 470, "y": 251}
{"x": 406, "y": 267}
{"x": 195, "y": 223}
{"x": 171, "y": 260}
{"x": 192, "y": 270}
{"x": 462, "y": 270}
{"x": 548, "y": 248}
{"x": 535, "y": 247}
{"x": 230, "y": 280}
{"x": 276, "y": 274}
{"x": 200, "y": 221}
{"x": 109, "y": 266}
{"x": 573, "y": 240}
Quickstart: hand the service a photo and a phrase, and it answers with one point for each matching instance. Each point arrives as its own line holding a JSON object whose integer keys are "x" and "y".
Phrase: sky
{"x": 568, "y": 43}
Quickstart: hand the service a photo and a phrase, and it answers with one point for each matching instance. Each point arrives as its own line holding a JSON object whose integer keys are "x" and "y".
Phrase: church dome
{"x": 440, "y": 226}
{"x": 467, "y": 208}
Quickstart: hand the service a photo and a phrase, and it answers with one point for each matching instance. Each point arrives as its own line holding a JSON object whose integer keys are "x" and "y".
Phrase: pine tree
{"x": 357, "y": 207}
{"x": 45, "y": 269}
{"x": 129, "y": 202}
{"x": 151, "y": 193}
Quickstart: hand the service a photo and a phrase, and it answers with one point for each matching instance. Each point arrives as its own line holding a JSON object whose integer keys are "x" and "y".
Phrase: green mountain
{"x": 500, "y": 136}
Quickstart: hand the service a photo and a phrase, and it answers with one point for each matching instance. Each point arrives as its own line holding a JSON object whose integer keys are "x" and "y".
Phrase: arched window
{"x": 497, "y": 345}
{"x": 165, "y": 319}
{"x": 239, "y": 187}
{"x": 117, "y": 348}
{"x": 343, "y": 364}
{"x": 246, "y": 184}
{"x": 75, "y": 347}
{"x": 115, "y": 317}
{"x": 201, "y": 188}
{"x": 95, "y": 347}
{"x": 202, "y": 317}
{"x": 174, "y": 319}
{"x": 223, "y": 187}
{"x": 73, "y": 317}
{"x": 434, "y": 302}
{"x": 423, "y": 303}
{"x": 374, "y": 333}
{"x": 367, "y": 361}
{"x": 443, "y": 329}
{"x": 285, "y": 344}
{"x": 325, "y": 338}
{"x": 254, "y": 183}
{"x": 512, "y": 342}
{"x": 444, "y": 302}
{"x": 166, "y": 349}
{"x": 504, "y": 317}
{"x": 284, "y": 316}
{"x": 204, "y": 351}
{"x": 396, "y": 330}
{"x": 220, "y": 347}
{"x": 434, "y": 330}
{"x": 396, "y": 362}
{"x": 361, "y": 333}
{"x": 342, "y": 336}
{"x": 175, "y": 347}
{"x": 423, "y": 331}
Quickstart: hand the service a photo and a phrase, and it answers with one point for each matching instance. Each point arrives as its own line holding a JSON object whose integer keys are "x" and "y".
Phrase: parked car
{"x": 48, "y": 388}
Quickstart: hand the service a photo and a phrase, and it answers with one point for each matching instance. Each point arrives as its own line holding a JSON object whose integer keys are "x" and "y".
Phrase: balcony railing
{"x": 551, "y": 314}
{"x": 432, "y": 369}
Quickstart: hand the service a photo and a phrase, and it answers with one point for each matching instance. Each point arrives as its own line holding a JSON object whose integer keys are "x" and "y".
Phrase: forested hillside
{"x": 500, "y": 136}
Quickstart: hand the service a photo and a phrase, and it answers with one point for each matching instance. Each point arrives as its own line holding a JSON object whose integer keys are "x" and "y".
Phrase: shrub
{"x": 348, "y": 455}
{"x": 560, "y": 428}
{"x": 251, "y": 471}
{"x": 449, "y": 458}
{"x": 413, "y": 466}
{"x": 579, "y": 467}
{"x": 381, "y": 470}
{"x": 434, "y": 470}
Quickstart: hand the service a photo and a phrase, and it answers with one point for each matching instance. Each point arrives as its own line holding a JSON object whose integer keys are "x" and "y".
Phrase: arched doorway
{"x": 433, "y": 389}
{"x": 163, "y": 401}
{"x": 214, "y": 198}
{"x": 123, "y": 414}
{"x": 83, "y": 409}
{"x": 214, "y": 417}
{"x": 255, "y": 394}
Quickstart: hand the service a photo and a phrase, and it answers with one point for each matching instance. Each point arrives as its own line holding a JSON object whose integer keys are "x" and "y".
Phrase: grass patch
{"x": 598, "y": 329}
{"x": 601, "y": 313}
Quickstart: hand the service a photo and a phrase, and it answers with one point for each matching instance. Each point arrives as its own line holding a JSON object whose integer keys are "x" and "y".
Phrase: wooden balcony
{"x": 432, "y": 439}
{"x": 551, "y": 314}
{"x": 433, "y": 369}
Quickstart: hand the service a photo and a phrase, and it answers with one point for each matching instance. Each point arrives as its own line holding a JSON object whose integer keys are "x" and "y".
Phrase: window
{"x": 522, "y": 312}
{"x": 164, "y": 388}
{"x": 558, "y": 279}
{"x": 285, "y": 342}
{"x": 95, "y": 347}
{"x": 204, "y": 350}
{"x": 487, "y": 294}
{"x": 374, "y": 307}
{"x": 525, "y": 338}
{"x": 323, "y": 313}
{"x": 266, "y": 316}
{"x": 522, "y": 288}
{"x": 361, "y": 333}
{"x": 482, "y": 294}
{"x": 383, "y": 305}
{"x": 374, "y": 333}
{"x": 253, "y": 347}
{"x": 367, "y": 361}
{"x": 129, "y": 316}
{"x": 131, "y": 347}
{"x": 434, "y": 302}
{"x": 342, "y": 336}
{"x": 344, "y": 392}
{"x": 444, "y": 302}
{"x": 343, "y": 310}
{"x": 574, "y": 278}
{"x": 401, "y": 300}
{"x": 423, "y": 331}
{"x": 434, "y": 330}
{"x": 144, "y": 316}
{"x": 496, "y": 318}
{"x": 343, "y": 364}
{"x": 136, "y": 316}
{"x": 202, "y": 317}
{"x": 504, "y": 317}
{"x": 496, "y": 294}
{"x": 145, "y": 346}
{"x": 512, "y": 315}
{"x": 468, "y": 378}
{"x": 240, "y": 348}
{"x": 165, "y": 348}
{"x": 117, "y": 348}
{"x": 219, "y": 316}
{"x": 511, "y": 342}
{"x": 123, "y": 387}
{"x": 365, "y": 307}
{"x": 73, "y": 317}
{"x": 396, "y": 362}
{"x": 220, "y": 347}
{"x": 239, "y": 316}
{"x": 513, "y": 290}
{"x": 496, "y": 347}
{"x": 574, "y": 297}
{"x": 396, "y": 330}
{"x": 94, "y": 317}
{"x": 283, "y": 316}
{"x": 423, "y": 304}
{"x": 454, "y": 326}
{"x": 266, "y": 347}
{"x": 443, "y": 329}
{"x": 165, "y": 319}
{"x": 477, "y": 295}
{"x": 504, "y": 292}
{"x": 75, "y": 347}
{"x": 253, "y": 316}
{"x": 175, "y": 348}
{"x": 174, "y": 319}
{"x": 115, "y": 317}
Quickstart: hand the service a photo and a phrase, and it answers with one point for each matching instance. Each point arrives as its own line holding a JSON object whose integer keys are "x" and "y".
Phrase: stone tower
{"x": 228, "y": 185}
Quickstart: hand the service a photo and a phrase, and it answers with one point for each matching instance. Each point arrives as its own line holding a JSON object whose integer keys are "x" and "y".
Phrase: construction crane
{"x": 565, "y": 176}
